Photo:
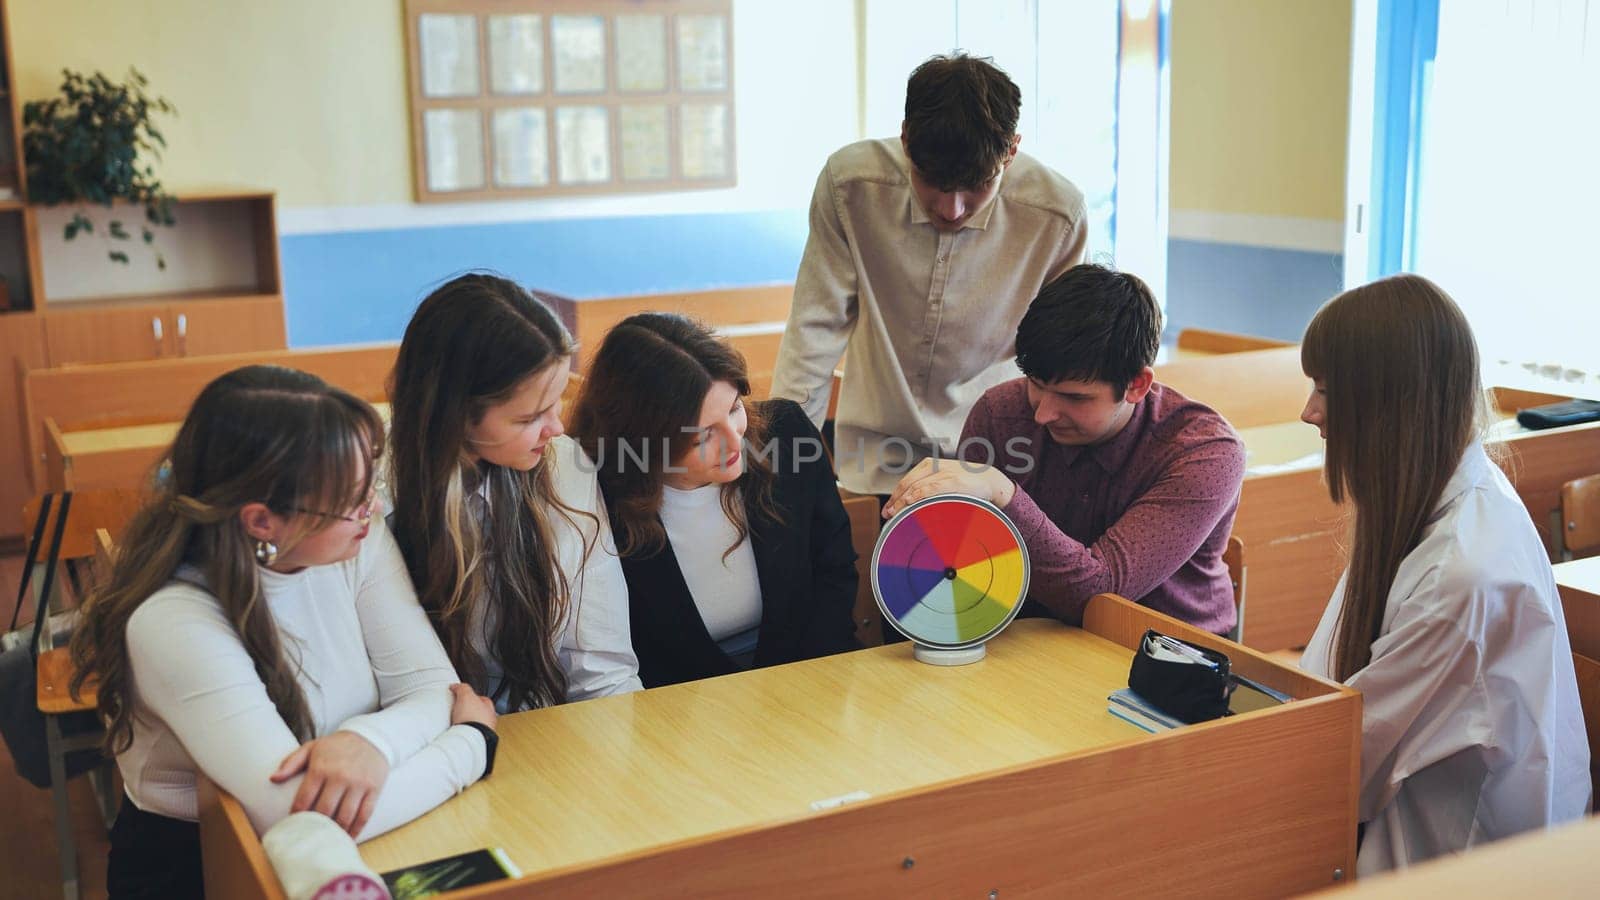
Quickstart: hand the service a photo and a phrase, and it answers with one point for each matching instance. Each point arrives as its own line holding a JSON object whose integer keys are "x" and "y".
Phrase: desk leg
{"x": 65, "y": 848}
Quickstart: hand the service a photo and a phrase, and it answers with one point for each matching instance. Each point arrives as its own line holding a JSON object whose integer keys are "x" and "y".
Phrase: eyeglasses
{"x": 362, "y": 514}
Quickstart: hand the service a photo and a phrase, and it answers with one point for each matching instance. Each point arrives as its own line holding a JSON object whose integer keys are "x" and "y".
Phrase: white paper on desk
{"x": 1309, "y": 461}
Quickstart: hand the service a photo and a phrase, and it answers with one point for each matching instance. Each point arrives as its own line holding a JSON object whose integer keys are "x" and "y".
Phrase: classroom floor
{"x": 29, "y": 867}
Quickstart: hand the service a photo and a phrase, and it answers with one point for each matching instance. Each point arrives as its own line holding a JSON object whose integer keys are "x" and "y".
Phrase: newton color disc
{"x": 950, "y": 572}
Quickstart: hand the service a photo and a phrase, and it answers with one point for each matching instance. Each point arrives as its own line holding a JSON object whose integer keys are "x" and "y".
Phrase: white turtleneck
{"x": 726, "y": 590}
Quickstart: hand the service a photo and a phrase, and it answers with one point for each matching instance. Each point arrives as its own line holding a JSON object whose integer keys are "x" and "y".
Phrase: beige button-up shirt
{"x": 925, "y": 320}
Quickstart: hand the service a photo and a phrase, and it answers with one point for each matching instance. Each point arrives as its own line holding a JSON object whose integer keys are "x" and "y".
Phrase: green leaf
{"x": 94, "y": 142}
{"x": 149, "y": 236}
{"x": 118, "y": 256}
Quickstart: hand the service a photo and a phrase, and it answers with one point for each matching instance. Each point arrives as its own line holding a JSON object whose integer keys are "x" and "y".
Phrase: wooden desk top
{"x": 577, "y": 784}
{"x": 1581, "y": 575}
{"x": 1555, "y": 863}
{"x": 1579, "y": 583}
{"x": 1282, "y": 447}
{"x": 137, "y": 437}
{"x": 1292, "y": 446}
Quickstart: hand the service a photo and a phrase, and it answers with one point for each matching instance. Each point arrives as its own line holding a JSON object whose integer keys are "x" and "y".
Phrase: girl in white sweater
{"x": 259, "y": 628}
{"x": 496, "y": 510}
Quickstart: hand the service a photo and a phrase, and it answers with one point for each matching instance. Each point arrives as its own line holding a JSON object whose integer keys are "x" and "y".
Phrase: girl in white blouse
{"x": 254, "y": 631}
{"x": 496, "y": 511}
{"x": 1447, "y": 618}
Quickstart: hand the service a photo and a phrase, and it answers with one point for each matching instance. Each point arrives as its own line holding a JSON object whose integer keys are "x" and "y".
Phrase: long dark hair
{"x": 1403, "y": 401}
{"x": 644, "y": 390}
{"x": 471, "y": 344}
{"x": 260, "y": 434}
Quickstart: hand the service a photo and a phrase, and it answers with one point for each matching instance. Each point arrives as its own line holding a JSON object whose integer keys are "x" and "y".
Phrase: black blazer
{"x": 806, "y": 569}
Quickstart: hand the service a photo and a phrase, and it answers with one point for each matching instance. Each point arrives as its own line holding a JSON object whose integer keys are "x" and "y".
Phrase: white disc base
{"x": 935, "y": 656}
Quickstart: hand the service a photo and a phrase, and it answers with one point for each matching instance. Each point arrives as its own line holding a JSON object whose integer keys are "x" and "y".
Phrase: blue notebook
{"x": 1135, "y": 710}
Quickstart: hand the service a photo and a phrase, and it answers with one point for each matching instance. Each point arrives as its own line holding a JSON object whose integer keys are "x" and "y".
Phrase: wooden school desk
{"x": 1290, "y": 528}
{"x": 1555, "y": 863}
{"x": 1579, "y": 583}
{"x": 1005, "y": 776}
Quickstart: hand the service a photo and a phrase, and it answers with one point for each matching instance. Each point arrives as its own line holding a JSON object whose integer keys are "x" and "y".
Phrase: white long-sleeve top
{"x": 369, "y": 662}
{"x": 595, "y": 648}
{"x": 725, "y": 586}
{"x": 1471, "y": 728}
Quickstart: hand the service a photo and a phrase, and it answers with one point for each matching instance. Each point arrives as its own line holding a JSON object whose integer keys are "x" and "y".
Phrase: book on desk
{"x": 1247, "y": 696}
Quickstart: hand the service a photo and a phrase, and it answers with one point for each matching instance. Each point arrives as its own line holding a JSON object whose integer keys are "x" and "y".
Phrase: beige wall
{"x": 304, "y": 96}
{"x": 1260, "y": 106}
{"x": 309, "y": 97}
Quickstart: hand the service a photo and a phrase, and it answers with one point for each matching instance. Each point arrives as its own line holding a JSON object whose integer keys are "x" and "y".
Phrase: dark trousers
{"x": 153, "y": 856}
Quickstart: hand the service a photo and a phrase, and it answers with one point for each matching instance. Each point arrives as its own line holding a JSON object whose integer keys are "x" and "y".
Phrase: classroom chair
{"x": 1233, "y": 557}
{"x": 85, "y": 539}
{"x": 1208, "y": 341}
{"x": 865, "y": 523}
{"x": 1579, "y": 534}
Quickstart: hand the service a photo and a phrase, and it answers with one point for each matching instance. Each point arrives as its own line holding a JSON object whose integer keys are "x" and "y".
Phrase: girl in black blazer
{"x": 734, "y": 542}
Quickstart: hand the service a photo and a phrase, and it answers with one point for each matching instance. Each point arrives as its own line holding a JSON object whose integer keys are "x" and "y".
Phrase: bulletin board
{"x": 530, "y": 98}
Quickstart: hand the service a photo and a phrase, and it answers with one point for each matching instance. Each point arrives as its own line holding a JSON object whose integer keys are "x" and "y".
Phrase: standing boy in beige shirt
{"x": 924, "y": 253}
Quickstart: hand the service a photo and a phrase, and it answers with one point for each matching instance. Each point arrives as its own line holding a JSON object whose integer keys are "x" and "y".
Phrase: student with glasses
{"x": 259, "y": 628}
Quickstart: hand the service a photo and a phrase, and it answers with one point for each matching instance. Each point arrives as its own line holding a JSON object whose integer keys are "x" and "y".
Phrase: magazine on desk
{"x": 450, "y": 873}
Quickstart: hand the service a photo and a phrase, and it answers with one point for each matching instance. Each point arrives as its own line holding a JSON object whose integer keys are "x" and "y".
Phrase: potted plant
{"x": 94, "y": 144}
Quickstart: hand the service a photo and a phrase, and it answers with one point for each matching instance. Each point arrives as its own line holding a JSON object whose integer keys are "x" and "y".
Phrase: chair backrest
{"x": 1233, "y": 557}
{"x": 1580, "y": 517}
{"x": 1588, "y": 672}
{"x": 102, "y": 508}
{"x": 865, "y": 523}
{"x": 1205, "y": 340}
{"x": 105, "y": 554}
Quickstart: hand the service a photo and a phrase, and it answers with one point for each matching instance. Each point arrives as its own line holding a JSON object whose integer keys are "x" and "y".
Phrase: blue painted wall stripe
{"x": 1252, "y": 290}
{"x": 350, "y": 287}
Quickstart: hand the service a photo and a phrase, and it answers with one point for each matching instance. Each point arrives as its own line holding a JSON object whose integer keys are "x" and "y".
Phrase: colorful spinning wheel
{"x": 950, "y": 572}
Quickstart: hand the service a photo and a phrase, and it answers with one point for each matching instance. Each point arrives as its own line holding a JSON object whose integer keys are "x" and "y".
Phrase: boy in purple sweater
{"x": 1117, "y": 483}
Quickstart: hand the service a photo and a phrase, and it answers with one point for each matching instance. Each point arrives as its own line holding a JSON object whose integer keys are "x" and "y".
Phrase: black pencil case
{"x": 1567, "y": 412}
{"x": 1192, "y": 687}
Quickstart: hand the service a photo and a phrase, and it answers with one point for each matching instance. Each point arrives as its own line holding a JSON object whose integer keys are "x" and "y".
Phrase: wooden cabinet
{"x": 106, "y": 334}
{"x": 235, "y": 325}
{"x": 120, "y": 332}
{"x": 65, "y": 304}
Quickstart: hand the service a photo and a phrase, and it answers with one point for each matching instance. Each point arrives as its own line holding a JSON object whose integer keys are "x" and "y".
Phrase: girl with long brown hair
{"x": 259, "y": 628}
{"x": 495, "y": 509}
{"x": 1447, "y": 618}
{"x": 733, "y": 538}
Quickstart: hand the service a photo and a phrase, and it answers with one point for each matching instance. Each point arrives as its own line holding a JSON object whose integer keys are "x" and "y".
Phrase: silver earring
{"x": 266, "y": 552}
